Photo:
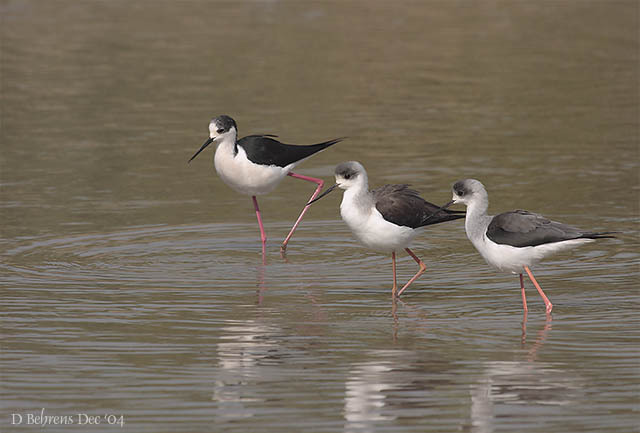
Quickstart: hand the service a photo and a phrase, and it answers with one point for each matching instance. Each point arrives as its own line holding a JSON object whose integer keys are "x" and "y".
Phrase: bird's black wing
{"x": 403, "y": 206}
{"x": 520, "y": 228}
{"x": 264, "y": 150}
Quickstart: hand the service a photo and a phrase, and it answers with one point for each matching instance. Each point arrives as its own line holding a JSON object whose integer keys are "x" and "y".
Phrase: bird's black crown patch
{"x": 225, "y": 122}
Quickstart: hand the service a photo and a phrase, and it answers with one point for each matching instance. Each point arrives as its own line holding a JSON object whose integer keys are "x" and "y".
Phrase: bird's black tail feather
{"x": 599, "y": 235}
{"x": 319, "y": 146}
{"x": 442, "y": 216}
{"x": 264, "y": 150}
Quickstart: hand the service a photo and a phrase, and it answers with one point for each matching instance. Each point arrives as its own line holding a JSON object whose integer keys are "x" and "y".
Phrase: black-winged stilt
{"x": 256, "y": 164}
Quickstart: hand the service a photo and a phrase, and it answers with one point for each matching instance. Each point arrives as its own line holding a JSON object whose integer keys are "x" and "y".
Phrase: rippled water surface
{"x": 132, "y": 284}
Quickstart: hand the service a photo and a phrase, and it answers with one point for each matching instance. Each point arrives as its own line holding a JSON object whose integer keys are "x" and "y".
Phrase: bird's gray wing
{"x": 399, "y": 205}
{"x": 520, "y": 228}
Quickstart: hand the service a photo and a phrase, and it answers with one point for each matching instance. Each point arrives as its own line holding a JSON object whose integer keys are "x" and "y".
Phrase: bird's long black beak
{"x": 443, "y": 207}
{"x": 326, "y": 191}
{"x": 206, "y": 143}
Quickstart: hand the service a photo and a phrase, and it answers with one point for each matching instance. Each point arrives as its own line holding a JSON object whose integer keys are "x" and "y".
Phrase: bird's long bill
{"x": 206, "y": 143}
{"x": 327, "y": 191}
{"x": 443, "y": 207}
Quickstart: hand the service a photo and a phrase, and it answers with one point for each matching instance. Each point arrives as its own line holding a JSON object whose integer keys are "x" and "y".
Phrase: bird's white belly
{"x": 376, "y": 233}
{"x": 246, "y": 177}
{"x": 513, "y": 259}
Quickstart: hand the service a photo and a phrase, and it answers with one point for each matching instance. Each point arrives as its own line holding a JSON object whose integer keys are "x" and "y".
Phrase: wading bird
{"x": 514, "y": 241}
{"x": 256, "y": 164}
{"x": 386, "y": 219}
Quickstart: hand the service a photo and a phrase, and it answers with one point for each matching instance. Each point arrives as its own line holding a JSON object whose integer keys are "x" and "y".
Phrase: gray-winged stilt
{"x": 514, "y": 241}
{"x": 386, "y": 219}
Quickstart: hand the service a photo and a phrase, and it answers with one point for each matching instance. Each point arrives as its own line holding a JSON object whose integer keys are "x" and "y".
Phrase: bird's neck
{"x": 476, "y": 219}
{"x": 228, "y": 146}
{"x": 357, "y": 199}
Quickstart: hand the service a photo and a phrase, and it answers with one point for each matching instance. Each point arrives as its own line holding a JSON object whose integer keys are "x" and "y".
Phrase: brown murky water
{"x": 132, "y": 285}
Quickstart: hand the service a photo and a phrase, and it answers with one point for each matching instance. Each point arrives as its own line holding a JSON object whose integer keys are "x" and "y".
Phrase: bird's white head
{"x": 221, "y": 128}
{"x": 350, "y": 174}
{"x": 469, "y": 192}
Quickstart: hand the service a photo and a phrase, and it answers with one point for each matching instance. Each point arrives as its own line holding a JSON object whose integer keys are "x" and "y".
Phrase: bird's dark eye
{"x": 459, "y": 192}
{"x": 347, "y": 176}
{"x": 220, "y": 130}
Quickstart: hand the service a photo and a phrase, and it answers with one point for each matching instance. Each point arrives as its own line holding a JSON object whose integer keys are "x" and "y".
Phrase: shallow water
{"x": 132, "y": 283}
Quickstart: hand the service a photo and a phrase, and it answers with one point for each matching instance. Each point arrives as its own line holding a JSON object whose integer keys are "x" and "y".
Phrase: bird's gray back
{"x": 403, "y": 206}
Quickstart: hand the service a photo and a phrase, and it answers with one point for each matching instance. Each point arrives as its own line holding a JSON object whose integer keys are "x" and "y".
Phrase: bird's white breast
{"x": 244, "y": 176}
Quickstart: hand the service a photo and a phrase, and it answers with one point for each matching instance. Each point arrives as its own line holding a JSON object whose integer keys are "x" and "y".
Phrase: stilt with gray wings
{"x": 386, "y": 219}
{"x": 256, "y": 164}
{"x": 514, "y": 241}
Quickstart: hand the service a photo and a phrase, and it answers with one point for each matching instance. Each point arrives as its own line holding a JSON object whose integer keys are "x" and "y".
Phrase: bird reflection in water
{"x": 522, "y": 385}
{"x": 542, "y": 334}
{"x": 365, "y": 398}
{"x": 394, "y": 384}
{"x": 419, "y": 316}
{"x": 247, "y": 351}
{"x": 260, "y": 270}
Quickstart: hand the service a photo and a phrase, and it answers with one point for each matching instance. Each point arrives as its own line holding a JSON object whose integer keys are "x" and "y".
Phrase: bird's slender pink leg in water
{"x": 524, "y": 298}
{"x": 393, "y": 265}
{"x": 524, "y": 307}
{"x": 263, "y": 236}
{"x": 546, "y": 300}
{"x": 320, "y": 183}
{"x": 423, "y": 268}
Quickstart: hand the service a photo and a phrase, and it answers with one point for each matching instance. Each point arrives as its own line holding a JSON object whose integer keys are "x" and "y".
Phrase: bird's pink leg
{"x": 423, "y": 268}
{"x": 524, "y": 298}
{"x": 263, "y": 236}
{"x": 523, "y": 339}
{"x": 320, "y": 183}
{"x": 546, "y": 300}
{"x": 524, "y": 307}
{"x": 393, "y": 265}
